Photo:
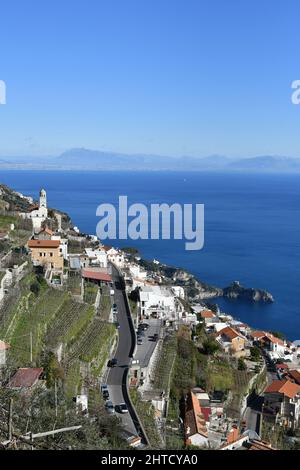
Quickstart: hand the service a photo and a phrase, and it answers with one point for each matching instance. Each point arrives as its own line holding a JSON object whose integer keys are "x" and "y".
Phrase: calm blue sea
{"x": 252, "y": 228}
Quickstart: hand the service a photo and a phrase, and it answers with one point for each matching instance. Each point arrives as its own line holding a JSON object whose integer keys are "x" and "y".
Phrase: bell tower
{"x": 43, "y": 198}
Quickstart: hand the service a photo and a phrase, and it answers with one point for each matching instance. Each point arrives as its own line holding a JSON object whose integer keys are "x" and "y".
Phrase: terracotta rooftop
{"x": 258, "y": 334}
{"x": 269, "y": 336}
{"x": 207, "y": 314}
{"x": 25, "y": 377}
{"x": 46, "y": 230}
{"x": 282, "y": 366}
{"x": 260, "y": 445}
{"x": 106, "y": 248}
{"x": 43, "y": 243}
{"x": 285, "y": 387}
{"x": 194, "y": 421}
{"x": 294, "y": 375}
{"x": 96, "y": 275}
{"x": 229, "y": 332}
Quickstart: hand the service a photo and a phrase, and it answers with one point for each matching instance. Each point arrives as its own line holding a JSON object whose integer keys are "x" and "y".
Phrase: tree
{"x": 241, "y": 364}
{"x": 53, "y": 370}
{"x": 255, "y": 353}
{"x": 210, "y": 346}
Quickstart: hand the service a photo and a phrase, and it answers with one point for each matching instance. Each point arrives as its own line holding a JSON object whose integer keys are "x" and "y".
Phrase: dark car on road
{"x": 143, "y": 326}
{"x": 121, "y": 408}
{"x": 105, "y": 395}
{"x": 112, "y": 363}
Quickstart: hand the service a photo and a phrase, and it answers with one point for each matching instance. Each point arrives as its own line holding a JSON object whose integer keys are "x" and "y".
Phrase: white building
{"x": 114, "y": 256}
{"x": 39, "y": 214}
{"x": 63, "y": 248}
{"x": 97, "y": 257}
{"x": 160, "y": 302}
{"x": 137, "y": 272}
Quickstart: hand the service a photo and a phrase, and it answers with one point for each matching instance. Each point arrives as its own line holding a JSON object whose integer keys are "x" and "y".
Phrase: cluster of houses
{"x": 205, "y": 422}
{"x": 49, "y": 249}
{"x": 206, "y": 426}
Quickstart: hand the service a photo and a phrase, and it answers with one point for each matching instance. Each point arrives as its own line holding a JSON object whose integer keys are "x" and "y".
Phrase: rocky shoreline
{"x": 198, "y": 290}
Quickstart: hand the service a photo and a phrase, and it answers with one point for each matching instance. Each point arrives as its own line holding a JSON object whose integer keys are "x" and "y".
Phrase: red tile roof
{"x": 260, "y": 445}
{"x": 258, "y": 334}
{"x": 282, "y": 366}
{"x": 207, "y": 314}
{"x": 25, "y": 377}
{"x": 43, "y": 243}
{"x": 284, "y": 387}
{"x": 228, "y": 332}
{"x": 46, "y": 230}
{"x": 194, "y": 421}
{"x": 96, "y": 275}
{"x": 206, "y": 410}
{"x": 268, "y": 336}
{"x": 294, "y": 375}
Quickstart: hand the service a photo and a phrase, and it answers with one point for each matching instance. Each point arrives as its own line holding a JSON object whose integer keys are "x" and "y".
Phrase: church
{"x": 38, "y": 214}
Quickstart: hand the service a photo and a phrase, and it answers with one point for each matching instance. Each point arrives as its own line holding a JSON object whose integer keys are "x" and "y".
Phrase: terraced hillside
{"x": 37, "y": 320}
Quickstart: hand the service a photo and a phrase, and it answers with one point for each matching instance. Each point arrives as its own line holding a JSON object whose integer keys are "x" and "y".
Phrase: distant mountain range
{"x": 94, "y": 160}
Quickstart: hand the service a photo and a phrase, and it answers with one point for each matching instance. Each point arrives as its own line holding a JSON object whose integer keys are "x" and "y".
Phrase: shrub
{"x": 241, "y": 364}
{"x": 210, "y": 346}
{"x": 35, "y": 288}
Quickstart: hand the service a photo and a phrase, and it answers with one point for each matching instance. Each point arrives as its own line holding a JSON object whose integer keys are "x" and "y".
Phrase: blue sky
{"x": 172, "y": 77}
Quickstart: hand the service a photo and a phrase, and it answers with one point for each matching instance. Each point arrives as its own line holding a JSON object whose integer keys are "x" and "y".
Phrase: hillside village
{"x": 196, "y": 376}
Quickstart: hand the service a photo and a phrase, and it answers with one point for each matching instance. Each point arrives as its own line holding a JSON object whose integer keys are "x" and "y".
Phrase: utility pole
{"x": 55, "y": 392}
{"x": 31, "y": 347}
{"x": 10, "y": 416}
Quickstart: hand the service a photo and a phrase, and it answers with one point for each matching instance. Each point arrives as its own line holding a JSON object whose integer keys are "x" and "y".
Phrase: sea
{"x": 252, "y": 228}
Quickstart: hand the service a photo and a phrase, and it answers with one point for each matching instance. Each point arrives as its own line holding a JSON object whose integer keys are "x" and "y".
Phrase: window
{"x": 41, "y": 254}
{"x": 51, "y": 254}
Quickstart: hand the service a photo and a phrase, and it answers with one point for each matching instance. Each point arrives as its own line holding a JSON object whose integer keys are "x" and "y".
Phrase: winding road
{"x": 117, "y": 376}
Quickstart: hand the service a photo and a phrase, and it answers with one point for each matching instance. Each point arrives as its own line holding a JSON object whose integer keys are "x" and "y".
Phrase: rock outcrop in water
{"x": 237, "y": 291}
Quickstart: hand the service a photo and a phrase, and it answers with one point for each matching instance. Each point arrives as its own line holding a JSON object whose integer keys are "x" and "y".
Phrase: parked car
{"x": 140, "y": 333}
{"x": 139, "y": 341}
{"x": 112, "y": 362}
{"x": 117, "y": 324}
{"x": 103, "y": 387}
{"x": 143, "y": 326}
{"x": 122, "y": 408}
{"x": 110, "y": 407}
{"x": 105, "y": 395}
